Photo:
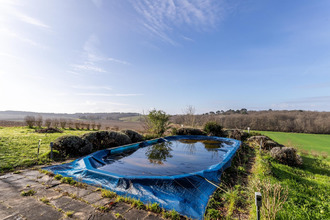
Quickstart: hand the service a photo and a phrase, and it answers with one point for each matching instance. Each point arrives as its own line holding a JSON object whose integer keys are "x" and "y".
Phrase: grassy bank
{"x": 308, "y": 186}
{"x": 18, "y": 146}
{"x": 316, "y": 142}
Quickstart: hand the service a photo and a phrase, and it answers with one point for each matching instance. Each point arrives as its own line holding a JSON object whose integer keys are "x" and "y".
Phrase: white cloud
{"x": 321, "y": 103}
{"x": 92, "y": 103}
{"x": 88, "y": 67}
{"x": 118, "y": 61}
{"x": 92, "y": 59}
{"x": 107, "y": 94}
{"x": 30, "y": 20}
{"x": 9, "y": 10}
{"x": 92, "y": 87}
{"x": 21, "y": 38}
{"x": 160, "y": 17}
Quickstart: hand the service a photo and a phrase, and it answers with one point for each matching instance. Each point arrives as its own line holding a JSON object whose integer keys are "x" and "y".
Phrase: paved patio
{"x": 55, "y": 200}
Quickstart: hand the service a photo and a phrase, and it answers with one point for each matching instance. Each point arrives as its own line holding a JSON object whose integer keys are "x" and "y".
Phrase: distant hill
{"x": 20, "y": 115}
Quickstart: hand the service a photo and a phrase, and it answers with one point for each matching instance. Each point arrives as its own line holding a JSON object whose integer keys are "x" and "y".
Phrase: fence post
{"x": 258, "y": 203}
{"x": 51, "y": 150}
{"x": 38, "y": 148}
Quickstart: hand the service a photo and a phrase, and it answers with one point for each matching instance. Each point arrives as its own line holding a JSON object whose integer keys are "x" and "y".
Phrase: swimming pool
{"x": 178, "y": 172}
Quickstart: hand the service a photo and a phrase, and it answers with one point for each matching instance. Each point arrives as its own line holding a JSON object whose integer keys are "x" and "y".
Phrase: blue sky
{"x": 135, "y": 55}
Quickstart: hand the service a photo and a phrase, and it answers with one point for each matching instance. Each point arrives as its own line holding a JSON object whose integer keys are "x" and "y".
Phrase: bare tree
{"x": 70, "y": 124}
{"x": 63, "y": 123}
{"x": 77, "y": 124}
{"x": 30, "y": 121}
{"x": 48, "y": 122}
{"x": 93, "y": 125}
{"x": 88, "y": 126}
{"x": 98, "y": 126}
{"x": 55, "y": 122}
{"x": 189, "y": 116}
{"x": 39, "y": 121}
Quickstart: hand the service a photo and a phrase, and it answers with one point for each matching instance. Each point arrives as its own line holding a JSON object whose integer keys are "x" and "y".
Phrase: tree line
{"x": 38, "y": 122}
{"x": 285, "y": 121}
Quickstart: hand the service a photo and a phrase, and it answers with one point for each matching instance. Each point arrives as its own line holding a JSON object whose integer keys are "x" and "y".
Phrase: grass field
{"x": 316, "y": 142}
{"x": 131, "y": 119}
{"x": 308, "y": 186}
{"x": 18, "y": 146}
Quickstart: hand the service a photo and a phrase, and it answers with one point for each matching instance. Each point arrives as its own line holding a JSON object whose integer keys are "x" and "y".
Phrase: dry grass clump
{"x": 273, "y": 197}
{"x": 286, "y": 155}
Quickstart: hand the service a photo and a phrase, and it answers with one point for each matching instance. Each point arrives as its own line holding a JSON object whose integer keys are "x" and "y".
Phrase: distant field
{"x": 317, "y": 142}
{"x": 131, "y": 119}
{"x": 18, "y": 145}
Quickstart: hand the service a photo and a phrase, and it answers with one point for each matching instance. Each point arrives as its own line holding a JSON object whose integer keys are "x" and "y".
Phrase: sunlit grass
{"x": 19, "y": 145}
{"x": 316, "y": 142}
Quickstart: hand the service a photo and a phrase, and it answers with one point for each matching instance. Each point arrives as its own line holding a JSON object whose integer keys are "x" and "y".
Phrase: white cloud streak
{"x": 21, "y": 38}
{"x": 160, "y": 17}
{"x": 92, "y": 59}
{"x": 30, "y": 20}
{"x": 92, "y": 87}
{"x": 106, "y": 94}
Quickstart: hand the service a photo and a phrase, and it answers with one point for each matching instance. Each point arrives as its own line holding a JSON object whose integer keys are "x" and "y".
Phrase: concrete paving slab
{"x": 6, "y": 176}
{"x": 61, "y": 202}
{"x": 21, "y": 184}
{"x": 5, "y": 211}
{"x": 48, "y": 181}
{"x": 38, "y": 211}
{"x": 92, "y": 197}
{"x": 14, "y": 216}
{"x": 72, "y": 190}
{"x": 96, "y": 215}
{"x": 14, "y": 177}
{"x": 120, "y": 208}
{"x": 102, "y": 202}
{"x": 15, "y": 206}
{"x": 32, "y": 174}
{"x": 152, "y": 216}
{"x": 135, "y": 214}
{"x": 48, "y": 193}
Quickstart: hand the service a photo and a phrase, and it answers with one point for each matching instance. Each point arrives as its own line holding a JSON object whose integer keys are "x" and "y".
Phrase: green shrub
{"x": 212, "y": 128}
{"x": 189, "y": 131}
{"x": 150, "y": 136}
{"x": 71, "y": 145}
{"x": 157, "y": 122}
{"x": 133, "y": 135}
{"x": 105, "y": 139}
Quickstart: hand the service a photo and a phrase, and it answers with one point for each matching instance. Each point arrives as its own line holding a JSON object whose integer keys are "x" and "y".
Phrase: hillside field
{"x": 19, "y": 145}
{"x": 316, "y": 142}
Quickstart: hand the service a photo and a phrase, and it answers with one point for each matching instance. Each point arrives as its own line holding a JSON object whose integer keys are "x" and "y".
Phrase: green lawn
{"x": 316, "y": 142}
{"x": 308, "y": 186}
{"x": 18, "y": 146}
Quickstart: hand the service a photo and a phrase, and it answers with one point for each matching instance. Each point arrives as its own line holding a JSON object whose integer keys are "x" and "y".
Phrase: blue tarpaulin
{"x": 187, "y": 193}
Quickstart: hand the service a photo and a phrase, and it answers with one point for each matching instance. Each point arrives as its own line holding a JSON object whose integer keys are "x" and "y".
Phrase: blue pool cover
{"x": 179, "y": 184}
